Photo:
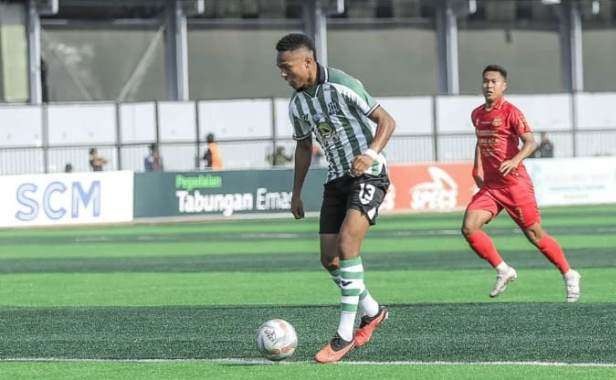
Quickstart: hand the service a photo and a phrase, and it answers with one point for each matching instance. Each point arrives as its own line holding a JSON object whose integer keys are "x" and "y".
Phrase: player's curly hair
{"x": 497, "y": 68}
{"x": 293, "y": 41}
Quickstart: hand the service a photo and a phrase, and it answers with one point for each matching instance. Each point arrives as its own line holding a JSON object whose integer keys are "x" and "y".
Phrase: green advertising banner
{"x": 223, "y": 193}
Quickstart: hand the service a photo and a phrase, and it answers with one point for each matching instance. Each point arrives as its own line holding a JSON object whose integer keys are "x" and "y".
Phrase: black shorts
{"x": 364, "y": 193}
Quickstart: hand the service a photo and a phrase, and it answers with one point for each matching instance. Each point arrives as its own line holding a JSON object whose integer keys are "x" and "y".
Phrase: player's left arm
{"x": 527, "y": 149}
{"x": 385, "y": 126}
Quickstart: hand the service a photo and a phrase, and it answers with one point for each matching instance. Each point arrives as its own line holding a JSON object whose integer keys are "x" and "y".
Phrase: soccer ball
{"x": 276, "y": 339}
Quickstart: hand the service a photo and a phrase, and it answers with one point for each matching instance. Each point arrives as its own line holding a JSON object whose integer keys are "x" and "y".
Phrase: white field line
{"x": 239, "y": 361}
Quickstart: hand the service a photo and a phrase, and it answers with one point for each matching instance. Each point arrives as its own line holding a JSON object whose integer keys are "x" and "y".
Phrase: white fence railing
{"x": 37, "y": 139}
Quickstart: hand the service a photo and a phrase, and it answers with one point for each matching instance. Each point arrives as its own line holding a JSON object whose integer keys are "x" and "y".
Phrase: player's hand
{"x": 361, "y": 163}
{"x": 297, "y": 207}
{"x": 507, "y": 167}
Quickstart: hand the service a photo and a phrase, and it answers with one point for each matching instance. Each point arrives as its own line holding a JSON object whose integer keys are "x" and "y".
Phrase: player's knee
{"x": 467, "y": 230}
{"x": 330, "y": 263}
{"x": 534, "y": 234}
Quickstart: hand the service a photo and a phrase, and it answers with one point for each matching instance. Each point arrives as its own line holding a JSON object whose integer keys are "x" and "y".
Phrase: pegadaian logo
{"x": 192, "y": 182}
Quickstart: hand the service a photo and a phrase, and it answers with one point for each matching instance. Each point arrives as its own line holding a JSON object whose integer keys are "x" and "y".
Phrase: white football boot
{"x": 502, "y": 279}
{"x": 572, "y": 282}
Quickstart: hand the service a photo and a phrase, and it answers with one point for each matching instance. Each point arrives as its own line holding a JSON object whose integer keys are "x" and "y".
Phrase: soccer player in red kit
{"x": 504, "y": 184}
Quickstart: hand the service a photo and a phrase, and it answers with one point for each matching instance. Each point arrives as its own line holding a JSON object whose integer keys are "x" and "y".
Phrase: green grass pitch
{"x": 184, "y": 300}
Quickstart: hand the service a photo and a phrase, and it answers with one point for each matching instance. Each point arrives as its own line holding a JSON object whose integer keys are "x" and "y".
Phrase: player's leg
{"x": 521, "y": 205}
{"x": 331, "y": 262}
{"x": 479, "y": 212}
{"x": 554, "y": 253}
{"x": 352, "y": 285}
{"x": 548, "y": 246}
{"x": 329, "y": 256}
{"x": 479, "y": 241}
{"x": 351, "y": 236}
{"x": 333, "y": 213}
{"x": 351, "y": 274}
{"x": 365, "y": 195}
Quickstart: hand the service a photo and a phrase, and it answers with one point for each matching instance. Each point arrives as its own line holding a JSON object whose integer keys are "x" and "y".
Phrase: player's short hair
{"x": 497, "y": 68}
{"x": 294, "y": 41}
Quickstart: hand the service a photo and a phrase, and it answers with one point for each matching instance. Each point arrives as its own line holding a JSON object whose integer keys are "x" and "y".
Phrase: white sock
{"x": 347, "y": 323}
{"x": 500, "y": 268}
{"x": 367, "y": 304}
{"x": 351, "y": 286}
{"x": 335, "y": 276}
{"x": 569, "y": 273}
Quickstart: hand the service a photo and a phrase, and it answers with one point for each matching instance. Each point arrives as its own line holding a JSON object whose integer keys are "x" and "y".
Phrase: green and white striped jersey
{"x": 336, "y": 110}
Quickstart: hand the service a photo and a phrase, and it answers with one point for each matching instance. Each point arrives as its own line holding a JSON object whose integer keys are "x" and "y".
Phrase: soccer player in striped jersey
{"x": 352, "y": 129}
{"x": 504, "y": 184}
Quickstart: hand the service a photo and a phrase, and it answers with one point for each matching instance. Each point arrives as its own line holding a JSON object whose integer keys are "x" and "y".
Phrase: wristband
{"x": 372, "y": 154}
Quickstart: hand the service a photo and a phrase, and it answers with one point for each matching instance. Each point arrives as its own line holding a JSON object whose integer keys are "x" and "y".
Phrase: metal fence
{"x": 41, "y": 139}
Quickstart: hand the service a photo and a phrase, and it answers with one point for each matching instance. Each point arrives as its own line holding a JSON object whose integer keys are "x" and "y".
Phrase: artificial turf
{"x": 199, "y": 290}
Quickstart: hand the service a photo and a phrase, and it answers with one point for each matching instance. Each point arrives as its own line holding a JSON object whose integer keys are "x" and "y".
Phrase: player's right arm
{"x": 477, "y": 169}
{"x": 303, "y": 156}
{"x": 302, "y": 133}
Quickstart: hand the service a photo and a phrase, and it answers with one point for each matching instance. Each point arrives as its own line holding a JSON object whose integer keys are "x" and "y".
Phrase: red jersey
{"x": 498, "y": 134}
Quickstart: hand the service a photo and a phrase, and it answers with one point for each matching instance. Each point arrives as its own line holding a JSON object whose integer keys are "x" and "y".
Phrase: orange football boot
{"x": 368, "y": 325}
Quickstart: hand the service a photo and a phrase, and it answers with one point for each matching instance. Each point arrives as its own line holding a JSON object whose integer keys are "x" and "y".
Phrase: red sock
{"x": 552, "y": 251}
{"x": 481, "y": 243}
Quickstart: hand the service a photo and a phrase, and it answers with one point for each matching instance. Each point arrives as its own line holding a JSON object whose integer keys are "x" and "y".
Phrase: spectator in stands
{"x": 212, "y": 156}
{"x": 153, "y": 162}
{"x": 68, "y": 168}
{"x": 280, "y": 157}
{"x": 545, "y": 148}
{"x": 96, "y": 161}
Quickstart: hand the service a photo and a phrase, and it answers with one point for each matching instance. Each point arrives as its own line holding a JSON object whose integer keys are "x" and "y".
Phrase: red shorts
{"x": 519, "y": 201}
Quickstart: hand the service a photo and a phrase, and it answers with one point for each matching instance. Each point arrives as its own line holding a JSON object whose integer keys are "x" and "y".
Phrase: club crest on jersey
{"x": 497, "y": 122}
{"x": 325, "y": 129}
{"x": 322, "y": 126}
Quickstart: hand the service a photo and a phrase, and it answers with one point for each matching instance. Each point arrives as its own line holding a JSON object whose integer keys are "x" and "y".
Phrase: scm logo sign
{"x": 55, "y": 198}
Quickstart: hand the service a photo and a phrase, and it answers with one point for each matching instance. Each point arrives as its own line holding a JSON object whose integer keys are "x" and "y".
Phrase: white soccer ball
{"x": 276, "y": 339}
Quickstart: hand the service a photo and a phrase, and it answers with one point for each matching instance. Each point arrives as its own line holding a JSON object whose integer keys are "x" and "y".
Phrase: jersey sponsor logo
{"x": 497, "y": 122}
{"x": 486, "y": 132}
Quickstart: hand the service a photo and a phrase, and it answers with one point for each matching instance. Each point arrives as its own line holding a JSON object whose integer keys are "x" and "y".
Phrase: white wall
{"x": 72, "y": 124}
{"x": 20, "y": 126}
